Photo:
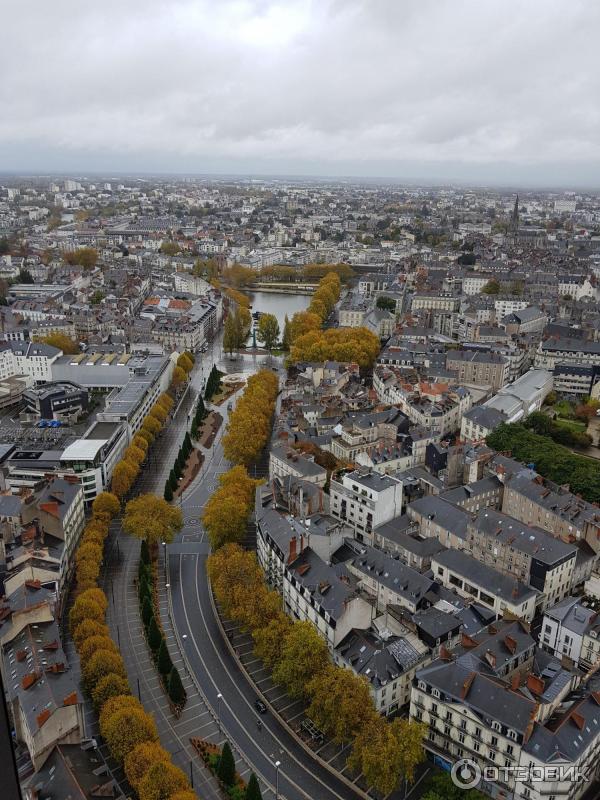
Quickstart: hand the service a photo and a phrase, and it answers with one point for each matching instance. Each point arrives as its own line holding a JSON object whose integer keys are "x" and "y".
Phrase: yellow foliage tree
{"x": 87, "y": 628}
{"x": 84, "y": 609}
{"x": 101, "y": 663}
{"x": 139, "y": 760}
{"x": 270, "y": 639}
{"x": 93, "y": 643}
{"x": 304, "y": 656}
{"x": 152, "y": 518}
{"x": 135, "y": 455}
{"x": 179, "y": 376}
{"x": 123, "y": 477}
{"x": 151, "y": 424}
{"x": 106, "y": 504}
{"x": 140, "y": 442}
{"x": 185, "y": 363}
{"x": 127, "y": 728}
{"x": 341, "y": 703}
{"x": 62, "y": 342}
{"x": 161, "y": 781}
{"x": 111, "y": 685}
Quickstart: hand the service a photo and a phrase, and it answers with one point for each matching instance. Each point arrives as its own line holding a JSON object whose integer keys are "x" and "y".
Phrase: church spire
{"x": 514, "y": 217}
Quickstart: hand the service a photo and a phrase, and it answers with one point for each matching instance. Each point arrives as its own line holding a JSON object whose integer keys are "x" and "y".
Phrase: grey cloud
{"x": 456, "y": 88}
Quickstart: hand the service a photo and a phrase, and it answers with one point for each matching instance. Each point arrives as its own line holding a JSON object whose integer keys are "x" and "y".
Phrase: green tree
{"x": 168, "y": 493}
{"x": 4, "y": 246}
{"x": 147, "y": 611}
{"x": 25, "y": 276}
{"x": 268, "y": 330}
{"x": 253, "y": 789}
{"x": 386, "y": 303}
{"x": 164, "y": 663}
{"x": 286, "y": 339}
{"x": 175, "y": 688}
{"x": 491, "y": 287}
{"x": 154, "y": 634}
{"x": 226, "y": 766}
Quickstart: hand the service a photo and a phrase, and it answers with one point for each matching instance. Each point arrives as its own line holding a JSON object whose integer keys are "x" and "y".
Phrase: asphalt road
{"x": 213, "y": 667}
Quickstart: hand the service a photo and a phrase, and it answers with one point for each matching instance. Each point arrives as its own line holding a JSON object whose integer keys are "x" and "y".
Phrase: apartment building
{"x": 571, "y": 631}
{"x": 285, "y": 461}
{"x": 566, "y": 351}
{"x": 535, "y": 501}
{"x": 530, "y": 554}
{"x": 44, "y": 701}
{"x": 471, "y": 578}
{"x": 28, "y": 358}
{"x": 387, "y": 661}
{"x": 440, "y": 519}
{"x": 363, "y": 500}
{"x": 478, "y": 367}
{"x": 434, "y": 406}
{"x": 389, "y": 582}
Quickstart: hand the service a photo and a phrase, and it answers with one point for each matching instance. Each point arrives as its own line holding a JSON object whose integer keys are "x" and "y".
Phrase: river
{"x": 279, "y": 304}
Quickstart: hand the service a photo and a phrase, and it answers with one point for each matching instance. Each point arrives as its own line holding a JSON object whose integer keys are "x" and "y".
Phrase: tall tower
{"x": 514, "y": 217}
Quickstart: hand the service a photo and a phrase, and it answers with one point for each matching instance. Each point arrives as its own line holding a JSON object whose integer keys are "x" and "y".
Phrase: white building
{"x": 363, "y": 500}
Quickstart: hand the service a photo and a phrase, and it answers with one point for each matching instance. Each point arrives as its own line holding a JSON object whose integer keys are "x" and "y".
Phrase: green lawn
{"x": 572, "y": 425}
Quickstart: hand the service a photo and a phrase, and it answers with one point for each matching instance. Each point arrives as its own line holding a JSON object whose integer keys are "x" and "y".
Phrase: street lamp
{"x": 277, "y": 765}
{"x": 164, "y": 544}
{"x": 219, "y": 698}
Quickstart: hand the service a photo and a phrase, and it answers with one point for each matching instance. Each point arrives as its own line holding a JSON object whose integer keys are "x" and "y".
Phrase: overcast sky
{"x": 478, "y": 90}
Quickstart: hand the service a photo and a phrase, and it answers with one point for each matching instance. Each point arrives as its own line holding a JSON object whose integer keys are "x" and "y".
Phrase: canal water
{"x": 279, "y": 304}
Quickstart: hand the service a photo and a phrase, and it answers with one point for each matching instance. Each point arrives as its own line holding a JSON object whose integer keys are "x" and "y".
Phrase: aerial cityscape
{"x": 299, "y": 402}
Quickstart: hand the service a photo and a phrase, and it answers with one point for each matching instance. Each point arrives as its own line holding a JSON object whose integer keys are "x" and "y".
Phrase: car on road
{"x": 260, "y": 707}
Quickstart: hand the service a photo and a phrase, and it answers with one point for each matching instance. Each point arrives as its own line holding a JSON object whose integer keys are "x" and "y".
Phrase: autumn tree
{"x": 161, "y": 781}
{"x": 85, "y": 257}
{"x": 62, "y": 342}
{"x": 341, "y": 703}
{"x": 384, "y": 752}
{"x": 270, "y": 639}
{"x": 87, "y": 628}
{"x": 106, "y": 504}
{"x": 93, "y": 643}
{"x": 185, "y": 362}
{"x": 303, "y": 322}
{"x": 268, "y": 331}
{"x": 152, "y": 424}
{"x": 100, "y": 664}
{"x": 127, "y": 728}
{"x": 123, "y": 477}
{"x": 85, "y": 609}
{"x": 134, "y": 456}
{"x": 304, "y": 656}
{"x": 179, "y": 376}
{"x": 139, "y": 760}
{"x": 111, "y": 685}
{"x": 151, "y": 518}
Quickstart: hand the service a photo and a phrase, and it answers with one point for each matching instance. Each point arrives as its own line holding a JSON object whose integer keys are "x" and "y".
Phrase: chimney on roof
{"x": 292, "y": 554}
{"x": 515, "y": 681}
{"x": 535, "y": 684}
